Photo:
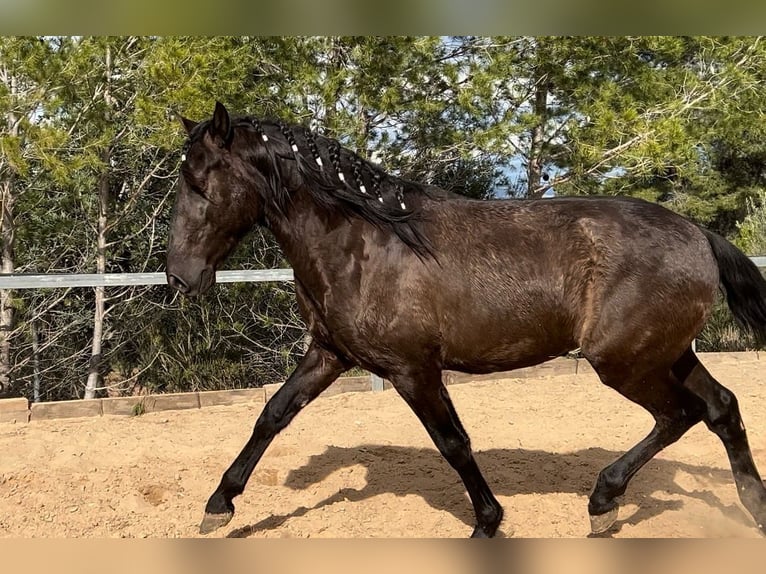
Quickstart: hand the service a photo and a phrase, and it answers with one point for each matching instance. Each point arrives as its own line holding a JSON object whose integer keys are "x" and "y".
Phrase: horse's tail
{"x": 743, "y": 285}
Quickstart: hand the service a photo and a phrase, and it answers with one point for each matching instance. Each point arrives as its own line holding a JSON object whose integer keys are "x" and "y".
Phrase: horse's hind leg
{"x": 425, "y": 393}
{"x": 674, "y": 409}
{"x": 722, "y": 416}
{"x": 315, "y": 372}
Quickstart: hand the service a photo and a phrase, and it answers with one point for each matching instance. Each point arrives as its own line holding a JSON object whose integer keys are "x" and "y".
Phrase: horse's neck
{"x": 301, "y": 233}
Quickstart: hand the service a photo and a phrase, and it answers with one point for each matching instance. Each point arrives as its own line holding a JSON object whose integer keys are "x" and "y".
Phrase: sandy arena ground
{"x": 360, "y": 465}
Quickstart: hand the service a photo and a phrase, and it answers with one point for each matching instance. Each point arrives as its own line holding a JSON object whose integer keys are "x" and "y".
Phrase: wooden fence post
{"x": 376, "y": 382}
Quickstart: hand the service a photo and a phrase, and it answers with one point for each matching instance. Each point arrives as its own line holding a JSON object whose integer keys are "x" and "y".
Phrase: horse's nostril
{"x": 177, "y": 283}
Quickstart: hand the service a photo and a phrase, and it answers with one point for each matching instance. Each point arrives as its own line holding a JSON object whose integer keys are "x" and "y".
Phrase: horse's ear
{"x": 220, "y": 129}
{"x": 188, "y": 124}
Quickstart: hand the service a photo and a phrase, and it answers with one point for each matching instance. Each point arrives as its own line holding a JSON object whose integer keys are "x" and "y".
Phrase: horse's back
{"x": 520, "y": 241}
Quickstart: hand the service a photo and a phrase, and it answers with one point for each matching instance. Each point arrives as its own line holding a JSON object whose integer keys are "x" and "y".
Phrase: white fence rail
{"x": 22, "y": 281}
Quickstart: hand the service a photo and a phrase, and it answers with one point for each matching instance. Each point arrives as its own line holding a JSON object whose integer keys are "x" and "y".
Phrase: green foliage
{"x": 752, "y": 230}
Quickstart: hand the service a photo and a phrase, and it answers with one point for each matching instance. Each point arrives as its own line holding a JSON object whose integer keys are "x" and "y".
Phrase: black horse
{"x": 405, "y": 280}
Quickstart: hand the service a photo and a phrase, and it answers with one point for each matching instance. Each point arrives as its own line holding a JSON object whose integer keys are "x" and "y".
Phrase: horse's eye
{"x": 194, "y": 183}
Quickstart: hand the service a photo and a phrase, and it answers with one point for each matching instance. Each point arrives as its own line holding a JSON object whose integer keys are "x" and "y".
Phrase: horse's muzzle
{"x": 205, "y": 279}
{"x": 178, "y": 284}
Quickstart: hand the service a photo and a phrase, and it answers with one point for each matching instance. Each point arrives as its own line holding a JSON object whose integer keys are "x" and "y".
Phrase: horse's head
{"x": 238, "y": 172}
{"x": 215, "y": 203}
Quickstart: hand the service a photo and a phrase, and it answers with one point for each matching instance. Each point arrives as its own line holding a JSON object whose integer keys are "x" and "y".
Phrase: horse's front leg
{"x": 316, "y": 371}
{"x": 425, "y": 393}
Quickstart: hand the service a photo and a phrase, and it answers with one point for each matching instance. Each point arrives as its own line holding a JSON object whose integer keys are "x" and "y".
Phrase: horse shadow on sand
{"x": 423, "y": 472}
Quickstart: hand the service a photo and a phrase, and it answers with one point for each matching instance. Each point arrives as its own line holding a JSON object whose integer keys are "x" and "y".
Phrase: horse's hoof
{"x": 489, "y": 531}
{"x": 479, "y": 533}
{"x": 602, "y": 522}
{"x": 213, "y": 522}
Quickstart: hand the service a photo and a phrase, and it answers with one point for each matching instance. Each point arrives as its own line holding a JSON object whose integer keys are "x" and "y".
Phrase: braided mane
{"x": 336, "y": 178}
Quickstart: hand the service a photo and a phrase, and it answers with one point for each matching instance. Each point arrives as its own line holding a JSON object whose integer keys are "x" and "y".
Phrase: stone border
{"x": 19, "y": 410}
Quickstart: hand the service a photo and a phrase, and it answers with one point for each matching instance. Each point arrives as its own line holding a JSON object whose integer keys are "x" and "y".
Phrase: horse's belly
{"x": 497, "y": 346}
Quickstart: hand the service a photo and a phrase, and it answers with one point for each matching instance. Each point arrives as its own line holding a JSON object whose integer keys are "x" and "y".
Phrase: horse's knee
{"x": 274, "y": 417}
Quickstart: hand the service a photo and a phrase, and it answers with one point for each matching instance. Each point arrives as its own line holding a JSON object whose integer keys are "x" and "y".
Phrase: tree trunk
{"x": 7, "y": 237}
{"x": 535, "y": 161}
{"x": 94, "y": 367}
{"x": 35, "y": 361}
{"x": 334, "y": 63}
{"x": 6, "y": 296}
